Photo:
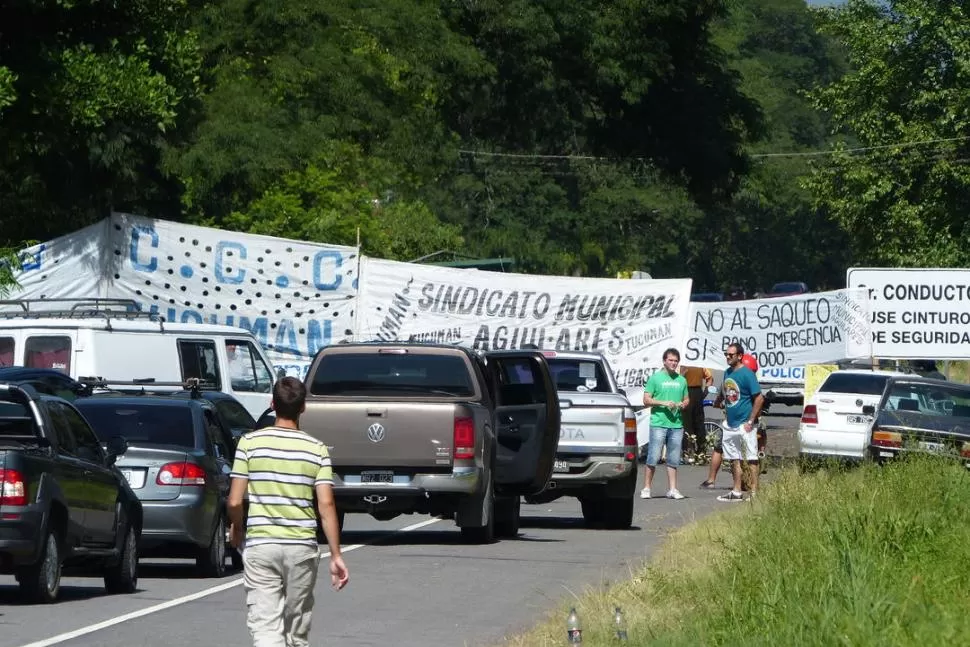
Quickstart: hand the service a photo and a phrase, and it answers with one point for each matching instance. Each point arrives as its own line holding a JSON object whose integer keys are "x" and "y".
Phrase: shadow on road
{"x": 11, "y": 594}
{"x": 563, "y": 523}
{"x": 450, "y": 537}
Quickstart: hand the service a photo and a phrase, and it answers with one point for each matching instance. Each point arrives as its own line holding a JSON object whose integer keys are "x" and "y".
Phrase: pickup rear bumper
{"x": 589, "y": 470}
{"x": 460, "y": 481}
{"x": 20, "y": 539}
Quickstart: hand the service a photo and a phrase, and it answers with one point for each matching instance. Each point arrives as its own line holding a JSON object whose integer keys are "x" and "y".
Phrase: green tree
{"x": 89, "y": 94}
{"x": 900, "y": 184}
{"x": 344, "y": 195}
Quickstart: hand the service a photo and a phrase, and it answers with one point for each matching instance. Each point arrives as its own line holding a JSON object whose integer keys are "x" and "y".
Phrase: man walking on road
{"x": 281, "y": 469}
{"x": 742, "y": 400}
{"x": 665, "y": 392}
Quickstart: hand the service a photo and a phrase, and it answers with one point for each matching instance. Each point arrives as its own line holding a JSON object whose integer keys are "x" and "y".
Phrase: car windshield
{"x": 787, "y": 287}
{"x": 578, "y": 375}
{"x": 140, "y": 424}
{"x": 368, "y": 372}
{"x": 935, "y": 399}
{"x": 861, "y": 383}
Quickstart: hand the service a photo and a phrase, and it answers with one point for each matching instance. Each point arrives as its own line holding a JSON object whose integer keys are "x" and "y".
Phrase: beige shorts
{"x": 739, "y": 445}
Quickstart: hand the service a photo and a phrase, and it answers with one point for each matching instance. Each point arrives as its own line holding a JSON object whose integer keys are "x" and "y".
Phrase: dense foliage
{"x": 680, "y": 137}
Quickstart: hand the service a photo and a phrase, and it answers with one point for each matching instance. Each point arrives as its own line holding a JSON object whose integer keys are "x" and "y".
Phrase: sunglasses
{"x": 730, "y": 354}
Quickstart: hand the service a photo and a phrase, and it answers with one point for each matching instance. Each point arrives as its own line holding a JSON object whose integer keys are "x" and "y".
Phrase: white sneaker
{"x": 674, "y": 494}
{"x": 645, "y": 493}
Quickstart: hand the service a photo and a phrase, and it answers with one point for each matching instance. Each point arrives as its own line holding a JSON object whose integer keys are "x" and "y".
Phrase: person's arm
{"x": 237, "y": 495}
{"x": 759, "y": 401}
{"x": 327, "y": 509}
{"x": 708, "y": 378}
{"x": 649, "y": 400}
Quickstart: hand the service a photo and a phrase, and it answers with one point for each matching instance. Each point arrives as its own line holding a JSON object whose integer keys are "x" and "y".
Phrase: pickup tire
{"x": 41, "y": 582}
{"x": 592, "y": 510}
{"x": 507, "y": 516}
{"x": 618, "y": 513}
{"x": 485, "y": 509}
{"x": 122, "y": 577}
{"x": 211, "y": 561}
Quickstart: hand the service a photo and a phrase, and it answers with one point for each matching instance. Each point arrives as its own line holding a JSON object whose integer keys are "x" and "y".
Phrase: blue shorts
{"x": 660, "y": 437}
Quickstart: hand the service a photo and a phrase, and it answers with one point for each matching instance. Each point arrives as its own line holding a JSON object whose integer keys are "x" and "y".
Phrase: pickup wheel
{"x": 123, "y": 576}
{"x": 484, "y": 534}
{"x": 211, "y": 561}
{"x": 618, "y": 513}
{"x": 41, "y": 582}
{"x": 593, "y": 510}
{"x": 507, "y": 516}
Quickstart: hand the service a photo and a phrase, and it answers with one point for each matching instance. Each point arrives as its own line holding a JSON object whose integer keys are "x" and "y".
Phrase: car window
{"x": 15, "y": 419}
{"x": 578, "y": 375}
{"x": 7, "y": 348}
{"x": 199, "y": 360}
{"x": 247, "y": 369}
{"x": 141, "y": 424}
{"x": 519, "y": 382}
{"x": 860, "y": 383}
{"x": 48, "y": 352}
{"x": 356, "y": 373}
{"x": 216, "y": 437}
{"x": 951, "y": 399}
{"x": 235, "y": 415}
{"x": 88, "y": 446}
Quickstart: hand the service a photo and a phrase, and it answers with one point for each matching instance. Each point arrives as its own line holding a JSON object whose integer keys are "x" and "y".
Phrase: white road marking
{"x": 70, "y": 635}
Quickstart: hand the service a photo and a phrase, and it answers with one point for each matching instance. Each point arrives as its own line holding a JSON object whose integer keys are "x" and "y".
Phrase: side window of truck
{"x": 518, "y": 383}
{"x": 7, "y": 347}
{"x": 247, "y": 370}
{"x": 199, "y": 359}
{"x": 48, "y": 352}
{"x": 66, "y": 445}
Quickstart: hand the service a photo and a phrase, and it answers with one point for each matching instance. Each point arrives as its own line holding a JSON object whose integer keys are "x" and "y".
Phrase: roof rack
{"x": 78, "y": 308}
{"x": 192, "y": 384}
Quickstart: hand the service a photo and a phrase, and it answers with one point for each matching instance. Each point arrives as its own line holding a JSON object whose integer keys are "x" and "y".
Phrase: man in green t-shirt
{"x": 665, "y": 392}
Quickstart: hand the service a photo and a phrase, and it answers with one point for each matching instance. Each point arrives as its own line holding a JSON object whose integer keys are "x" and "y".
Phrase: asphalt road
{"x": 412, "y": 583}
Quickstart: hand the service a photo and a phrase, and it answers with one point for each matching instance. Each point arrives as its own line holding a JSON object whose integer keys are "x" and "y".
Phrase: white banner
{"x": 295, "y": 297}
{"x": 783, "y": 331}
{"x": 65, "y": 267}
{"x": 917, "y": 313}
{"x": 630, "y": 321}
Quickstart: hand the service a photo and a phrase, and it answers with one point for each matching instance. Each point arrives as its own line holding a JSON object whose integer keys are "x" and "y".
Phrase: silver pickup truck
{"x": 441, "y": 430}
{"x": 597, "y": 451}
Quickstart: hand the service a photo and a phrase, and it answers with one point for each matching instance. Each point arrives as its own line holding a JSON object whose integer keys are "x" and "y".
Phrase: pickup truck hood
{"x": 383, "y": 433}
{"x": 592, "y": 420}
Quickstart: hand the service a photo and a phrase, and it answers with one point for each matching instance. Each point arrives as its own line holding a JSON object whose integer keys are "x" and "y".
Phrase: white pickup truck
{"x": 597, "y": 451}
{"x": 783, "y": 384}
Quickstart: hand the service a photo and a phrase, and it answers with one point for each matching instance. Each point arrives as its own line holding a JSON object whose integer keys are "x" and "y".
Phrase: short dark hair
{"x": 289, "y": 398}
{"x": 737, "y": 347}
{"x": 672, "y": 351}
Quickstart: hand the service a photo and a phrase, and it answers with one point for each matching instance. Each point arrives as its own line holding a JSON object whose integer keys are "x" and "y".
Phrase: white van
{"x": 109, "y": 338}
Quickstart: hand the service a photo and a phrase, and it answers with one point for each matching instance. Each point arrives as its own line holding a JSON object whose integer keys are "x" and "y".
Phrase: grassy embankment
{"x": 870, "y": 556}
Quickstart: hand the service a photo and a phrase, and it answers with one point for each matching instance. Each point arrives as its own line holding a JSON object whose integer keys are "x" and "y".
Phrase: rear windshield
{"x": 148, "y": 424}
{"x": 15, "y": 420}
{"x": 578, "y": 375}
{"x": 861, "y": 383}
{"x": 368, "y": 373}
{"x": 934, "y": 399}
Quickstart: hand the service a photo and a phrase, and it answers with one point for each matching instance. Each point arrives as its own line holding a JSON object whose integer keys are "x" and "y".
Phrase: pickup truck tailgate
{"x": 384, "y": 434}
{"x": 592, "y": 419}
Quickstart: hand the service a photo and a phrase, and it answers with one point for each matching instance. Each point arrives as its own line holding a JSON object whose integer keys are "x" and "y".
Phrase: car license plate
{"x": 560, "y": 466}
{"x": 858, "y": 420}
{"x": 135, "y": 478}
{"x": 377, "y": 476}
{"x": 937, "y": 448}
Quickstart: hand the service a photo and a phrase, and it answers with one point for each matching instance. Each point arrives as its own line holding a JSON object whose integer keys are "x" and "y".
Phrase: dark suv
{"x": 63, "y": 503}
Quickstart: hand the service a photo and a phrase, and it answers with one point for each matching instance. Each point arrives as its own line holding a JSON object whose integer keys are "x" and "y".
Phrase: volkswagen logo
{"x": 376, "y": 432}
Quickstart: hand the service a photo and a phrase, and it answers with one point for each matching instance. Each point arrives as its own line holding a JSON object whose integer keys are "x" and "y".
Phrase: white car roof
{"x": 119, "y": 324}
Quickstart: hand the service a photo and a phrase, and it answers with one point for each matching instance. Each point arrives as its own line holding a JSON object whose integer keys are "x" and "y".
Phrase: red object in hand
{"x": 750, "y": 361}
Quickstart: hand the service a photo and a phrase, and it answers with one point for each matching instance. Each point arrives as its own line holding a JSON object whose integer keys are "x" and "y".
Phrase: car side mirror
{"x": 117, "y": 446}
{"x": 869, "y": 410}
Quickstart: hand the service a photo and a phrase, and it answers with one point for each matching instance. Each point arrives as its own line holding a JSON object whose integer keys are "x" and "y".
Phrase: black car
{"x": 45, "y": 380}
{"x": 923, "y": 415}
{"x": 178, "y": 463}
{"x": 63, "y": 502}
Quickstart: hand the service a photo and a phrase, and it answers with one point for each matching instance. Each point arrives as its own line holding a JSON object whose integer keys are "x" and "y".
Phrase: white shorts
{"x": 739, "y": 444}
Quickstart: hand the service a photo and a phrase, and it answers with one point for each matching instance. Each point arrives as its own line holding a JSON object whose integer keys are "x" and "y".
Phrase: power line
{"x": 860, "y": 149}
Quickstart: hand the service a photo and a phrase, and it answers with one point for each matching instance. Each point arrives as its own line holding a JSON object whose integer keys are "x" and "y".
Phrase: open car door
{"x": 526, "y": 421}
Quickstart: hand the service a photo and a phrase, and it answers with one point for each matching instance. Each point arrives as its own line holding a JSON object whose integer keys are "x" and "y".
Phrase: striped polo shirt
{"x": 283, "y": 466}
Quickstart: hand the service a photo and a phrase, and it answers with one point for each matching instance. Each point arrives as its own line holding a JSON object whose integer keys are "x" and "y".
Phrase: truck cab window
{"x": 7, "y": 348}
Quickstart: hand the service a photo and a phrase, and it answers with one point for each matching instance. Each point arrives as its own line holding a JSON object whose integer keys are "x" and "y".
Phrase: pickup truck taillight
{"x": 180, "y": 474}
{"x": 886, "y": 438}
{"x": 630, "y": 436}
{"x": 464, "y": 439}
{"x": 13, "y": 491}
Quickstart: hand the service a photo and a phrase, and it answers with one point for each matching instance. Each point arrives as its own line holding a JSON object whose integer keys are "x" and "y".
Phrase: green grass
{"x": 869, "y": 556}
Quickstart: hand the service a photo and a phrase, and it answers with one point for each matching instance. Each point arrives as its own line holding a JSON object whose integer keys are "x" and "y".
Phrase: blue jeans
{"x": 673, "y": 438}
